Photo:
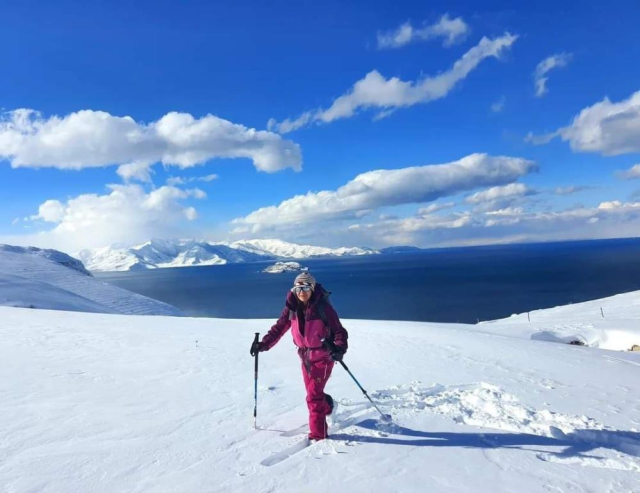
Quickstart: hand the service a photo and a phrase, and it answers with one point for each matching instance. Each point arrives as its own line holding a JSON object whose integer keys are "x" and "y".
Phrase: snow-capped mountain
{"x": 48, "y": 279}
{"x": 284, "y": 249}
{"x": 158, "y": 253}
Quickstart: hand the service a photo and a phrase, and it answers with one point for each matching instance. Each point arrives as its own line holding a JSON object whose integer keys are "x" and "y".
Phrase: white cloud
{"x": 179, "y": 180}
{"x": 570, "y": 190}
{"x": 95, "y": 139}
{"x": 513, "y": 190}
{"x": 127, "y": 214}
{"x": 374, "y": 91}
{"x": 613, "y": 204}
{"x": 137, "y": 170}
{"x": 50, "y": 211}
{"x": 630, "y": 174}
{"x": 452, "y": 31}
{"x": 381, "y": 188}
{"x": 608, "y": 220}
{"x": 540, "y": 139}
{"x": 207, "y": 178}
{"x": 608, "y": 128}
{"x": 498, "y": 106}
{"x": 499, "y": 198}
{"x": 544, "y": 67}
{"x": 430, "y": 209}
{"x": 174, "y": 181}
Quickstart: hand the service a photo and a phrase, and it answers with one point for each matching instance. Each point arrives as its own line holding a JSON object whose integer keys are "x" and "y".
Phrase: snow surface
{"x": 608, "y": 323}
{"x": 111, "y": 403}
{"x": 159, "y": 253}
{"x": 34, "y": 278}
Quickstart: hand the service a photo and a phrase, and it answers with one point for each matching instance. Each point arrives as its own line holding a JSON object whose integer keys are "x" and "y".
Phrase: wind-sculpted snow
{"x": 48, "y": 279}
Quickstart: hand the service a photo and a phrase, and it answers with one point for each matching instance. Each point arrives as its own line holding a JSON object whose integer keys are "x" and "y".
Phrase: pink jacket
{"x": 307, "y": 326}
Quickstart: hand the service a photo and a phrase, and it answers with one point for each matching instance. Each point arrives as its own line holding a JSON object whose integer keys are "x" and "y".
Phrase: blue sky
{"x": 382, "y": 89}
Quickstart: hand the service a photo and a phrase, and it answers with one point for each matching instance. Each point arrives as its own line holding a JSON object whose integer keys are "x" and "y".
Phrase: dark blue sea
{"x": 440, "y": 285}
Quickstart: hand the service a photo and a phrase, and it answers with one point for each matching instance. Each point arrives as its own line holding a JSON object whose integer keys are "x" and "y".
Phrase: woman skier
{"x": 311, "y": 318}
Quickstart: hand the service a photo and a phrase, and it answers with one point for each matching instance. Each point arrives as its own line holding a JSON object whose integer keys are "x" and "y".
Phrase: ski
{"x": 278, "y": 457}
{"x": 296, "y": 431}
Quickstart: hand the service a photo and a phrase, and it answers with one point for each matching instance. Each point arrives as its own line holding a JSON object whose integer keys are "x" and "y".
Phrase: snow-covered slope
{"x": 608, "y": 323}
{"x": 34, "y": 278}
{"x": 106, "y": 403}
{"x": 185, "y": 253}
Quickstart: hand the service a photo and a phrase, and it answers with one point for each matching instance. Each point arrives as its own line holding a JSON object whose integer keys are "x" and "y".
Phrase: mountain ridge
{"x": 159, "y": 253}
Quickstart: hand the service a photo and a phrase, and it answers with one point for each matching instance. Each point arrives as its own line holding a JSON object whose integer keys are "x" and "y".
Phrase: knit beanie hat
{"x": 305, "y": 279}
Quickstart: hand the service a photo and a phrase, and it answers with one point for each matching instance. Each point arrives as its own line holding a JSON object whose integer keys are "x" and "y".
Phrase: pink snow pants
{"x": 314, "y": 381}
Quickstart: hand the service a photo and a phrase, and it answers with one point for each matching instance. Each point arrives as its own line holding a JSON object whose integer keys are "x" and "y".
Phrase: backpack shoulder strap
{"x": 323, "y": 315}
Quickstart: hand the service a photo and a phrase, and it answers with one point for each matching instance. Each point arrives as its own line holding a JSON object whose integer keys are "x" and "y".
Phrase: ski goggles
{"x": 298, "y": 289}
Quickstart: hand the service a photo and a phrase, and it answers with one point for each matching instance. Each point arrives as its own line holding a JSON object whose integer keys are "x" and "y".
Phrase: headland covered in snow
{"x": 157, "y": 254}
{"x": 102, "y": 402}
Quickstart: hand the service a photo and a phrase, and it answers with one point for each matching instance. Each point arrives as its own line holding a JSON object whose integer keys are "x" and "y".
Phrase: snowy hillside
{"x": 185, "y": 253}
{"x": 34, "y": 278}
{"x": 106, "y": 403}
{"x": 608, "y": 323}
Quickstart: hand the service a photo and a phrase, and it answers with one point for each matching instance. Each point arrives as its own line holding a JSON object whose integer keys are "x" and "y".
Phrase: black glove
{"x": 256, "y": 347}
{"x": 337, "y": 354}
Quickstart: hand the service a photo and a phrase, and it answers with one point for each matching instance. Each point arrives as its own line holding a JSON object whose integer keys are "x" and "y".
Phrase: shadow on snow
{"x": 577, "y": 443}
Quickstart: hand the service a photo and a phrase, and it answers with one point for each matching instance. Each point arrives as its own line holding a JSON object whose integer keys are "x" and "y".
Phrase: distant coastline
{"x": 463, "y": 284}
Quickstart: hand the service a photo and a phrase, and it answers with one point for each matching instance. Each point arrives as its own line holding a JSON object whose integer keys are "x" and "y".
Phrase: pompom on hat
{"x": 305, "y": 279}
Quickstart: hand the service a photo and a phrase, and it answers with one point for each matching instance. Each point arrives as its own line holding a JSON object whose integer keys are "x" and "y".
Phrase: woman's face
{"x": 302, "y": 294}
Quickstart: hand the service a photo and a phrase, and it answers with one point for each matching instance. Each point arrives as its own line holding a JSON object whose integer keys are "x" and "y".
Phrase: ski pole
{"x": 332, "y": 347}
{"x": 255, "y": 386}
